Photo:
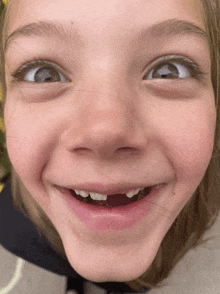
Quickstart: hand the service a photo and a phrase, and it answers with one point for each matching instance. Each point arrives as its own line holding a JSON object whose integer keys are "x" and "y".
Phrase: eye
{"x": 175, "y": 67}
{"x": 33, "y": 72}
{"x": 169, "y": 70}
{"x": 44, "y": 75}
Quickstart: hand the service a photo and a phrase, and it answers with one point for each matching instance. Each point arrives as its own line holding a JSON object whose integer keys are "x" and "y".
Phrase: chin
{"x": 116, "y": 274}
{"x": 108, "y": 267}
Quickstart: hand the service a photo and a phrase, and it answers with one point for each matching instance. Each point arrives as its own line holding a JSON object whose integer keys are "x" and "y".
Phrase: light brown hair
{"x": 197, "y": 216}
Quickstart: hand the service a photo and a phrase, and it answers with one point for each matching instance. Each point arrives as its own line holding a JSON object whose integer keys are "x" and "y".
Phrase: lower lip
{"x": 116, "y": 218}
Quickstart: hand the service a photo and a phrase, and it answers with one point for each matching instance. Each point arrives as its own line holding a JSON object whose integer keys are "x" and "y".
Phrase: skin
{"x": 109, "y": 120}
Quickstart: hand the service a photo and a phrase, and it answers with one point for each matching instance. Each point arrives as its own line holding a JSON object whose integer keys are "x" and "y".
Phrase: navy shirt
{"x": 19, "y": 236}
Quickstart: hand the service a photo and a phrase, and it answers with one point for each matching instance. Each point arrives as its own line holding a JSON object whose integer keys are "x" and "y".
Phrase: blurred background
{"x": 4, "y": 161}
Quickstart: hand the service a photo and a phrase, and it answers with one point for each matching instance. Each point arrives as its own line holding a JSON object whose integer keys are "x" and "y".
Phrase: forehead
{"x": 104, "y": 14}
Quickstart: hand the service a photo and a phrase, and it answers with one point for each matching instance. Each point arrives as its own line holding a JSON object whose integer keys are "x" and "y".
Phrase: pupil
{"x": 46, "y": 74}
{"x": 166, "y": 70}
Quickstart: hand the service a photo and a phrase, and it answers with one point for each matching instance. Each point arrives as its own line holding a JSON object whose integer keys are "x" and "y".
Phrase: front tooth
{"x": 82, "y": 193}
{"x": 132, "y": 193}
{"x": 96, "y": 196}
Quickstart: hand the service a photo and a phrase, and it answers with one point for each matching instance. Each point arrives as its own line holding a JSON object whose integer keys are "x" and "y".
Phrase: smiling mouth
{"x": 113, "y": 200}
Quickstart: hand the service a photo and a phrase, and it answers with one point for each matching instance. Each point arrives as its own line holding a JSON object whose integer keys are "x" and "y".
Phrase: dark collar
{"x": 19, "y": 236}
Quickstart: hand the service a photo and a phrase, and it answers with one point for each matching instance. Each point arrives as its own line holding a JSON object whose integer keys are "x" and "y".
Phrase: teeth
{"x": 97, "y": 196}
{"x": 81, "y": 193}
{"x": 132, "y": 193}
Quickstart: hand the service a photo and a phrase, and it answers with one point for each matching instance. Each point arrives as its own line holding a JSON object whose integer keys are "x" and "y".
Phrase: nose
{"x": 107, "y": 126}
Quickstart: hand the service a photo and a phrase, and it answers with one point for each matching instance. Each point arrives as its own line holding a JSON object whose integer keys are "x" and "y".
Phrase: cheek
{"x": 25, "y": 156}
{"x": 193, "y": 153}
{"x": 28, "y": 142}
{"x": 189, "y": 139}
{"x": 186, "y": 138}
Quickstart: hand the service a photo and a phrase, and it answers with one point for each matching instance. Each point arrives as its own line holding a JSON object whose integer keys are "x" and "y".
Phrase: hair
{"x": 197, "y": 216}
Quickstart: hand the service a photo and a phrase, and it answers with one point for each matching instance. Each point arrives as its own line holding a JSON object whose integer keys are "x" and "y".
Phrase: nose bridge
{"x": 105, "y": 73}
{"x": 108, "y": 117}
{"x": 107, "y": 121}
{"x": 109, "y": 96}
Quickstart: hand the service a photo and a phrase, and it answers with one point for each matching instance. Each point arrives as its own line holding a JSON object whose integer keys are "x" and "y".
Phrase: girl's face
{"x": 115, "y": 116}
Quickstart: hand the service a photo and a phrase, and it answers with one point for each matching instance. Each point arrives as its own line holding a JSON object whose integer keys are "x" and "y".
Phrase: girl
{"x": 111, "y": 113}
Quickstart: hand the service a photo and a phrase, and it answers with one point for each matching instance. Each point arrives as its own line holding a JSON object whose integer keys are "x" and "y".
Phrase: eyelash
{"x": 192, "y": 67}
{"x": 30, "y": 65}
{"x": 195, "y": 72}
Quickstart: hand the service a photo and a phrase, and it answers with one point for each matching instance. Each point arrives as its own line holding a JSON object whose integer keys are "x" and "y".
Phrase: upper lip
{"x": 108, "y": 189}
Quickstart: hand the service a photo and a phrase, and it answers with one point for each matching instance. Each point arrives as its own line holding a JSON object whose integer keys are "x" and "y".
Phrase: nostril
{"x": 127, "y": 149}
{"x": 81, "y": 149}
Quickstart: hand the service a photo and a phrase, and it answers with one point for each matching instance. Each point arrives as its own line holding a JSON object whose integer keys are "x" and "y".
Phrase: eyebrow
{"x": 49, "y": 29}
